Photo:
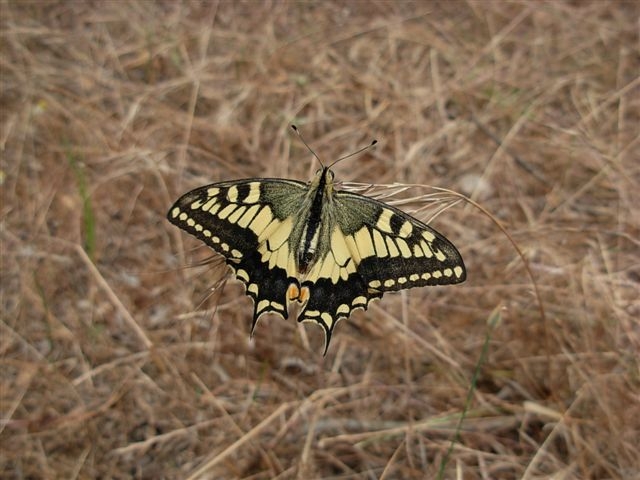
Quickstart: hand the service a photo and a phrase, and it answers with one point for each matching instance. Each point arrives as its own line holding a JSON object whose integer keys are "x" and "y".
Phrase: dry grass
{"x": 113, "y": 367}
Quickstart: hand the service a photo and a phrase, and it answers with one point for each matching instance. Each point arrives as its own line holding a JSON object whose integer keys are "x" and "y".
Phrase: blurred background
{"x": 120, "y": 360}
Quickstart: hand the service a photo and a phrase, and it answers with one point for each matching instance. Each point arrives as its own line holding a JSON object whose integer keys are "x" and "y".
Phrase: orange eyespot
{"x": 294, "y": 292}
{"x": 304, "y": 295}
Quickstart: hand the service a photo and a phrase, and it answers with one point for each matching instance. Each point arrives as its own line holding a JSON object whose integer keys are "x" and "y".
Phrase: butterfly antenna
{"x": 371, "y": 145}
{"x": 295, "y": 129}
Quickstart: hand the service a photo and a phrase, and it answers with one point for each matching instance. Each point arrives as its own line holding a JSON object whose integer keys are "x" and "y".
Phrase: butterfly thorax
{"x": 316, "y": 220}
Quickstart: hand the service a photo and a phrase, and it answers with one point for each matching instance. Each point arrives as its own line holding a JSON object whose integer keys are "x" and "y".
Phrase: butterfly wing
{"x": 374, "y": 248}
{"x": 249, "y": 222}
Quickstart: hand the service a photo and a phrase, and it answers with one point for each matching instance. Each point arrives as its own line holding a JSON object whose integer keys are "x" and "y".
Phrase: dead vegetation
{"x": 114, "y": 367}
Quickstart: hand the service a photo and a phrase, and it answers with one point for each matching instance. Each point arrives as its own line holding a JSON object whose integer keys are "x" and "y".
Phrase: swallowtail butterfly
{"x": 333, "y": 251}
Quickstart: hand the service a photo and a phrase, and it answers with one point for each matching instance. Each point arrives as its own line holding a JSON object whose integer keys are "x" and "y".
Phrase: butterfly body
{"x": 330, "y": 250}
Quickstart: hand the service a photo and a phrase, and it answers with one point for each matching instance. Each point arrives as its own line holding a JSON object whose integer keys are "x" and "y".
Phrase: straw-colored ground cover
{"x": 117, "y": 358}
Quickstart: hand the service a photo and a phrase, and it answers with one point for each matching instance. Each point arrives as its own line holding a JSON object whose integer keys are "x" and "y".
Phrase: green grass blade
{"x": 494, "y": 320}
{"x": 88, "y": 218}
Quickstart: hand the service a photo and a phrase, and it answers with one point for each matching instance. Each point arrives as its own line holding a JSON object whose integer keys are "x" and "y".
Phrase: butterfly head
{"x": 324, "y": 176}
{"x": 323, "y": 179}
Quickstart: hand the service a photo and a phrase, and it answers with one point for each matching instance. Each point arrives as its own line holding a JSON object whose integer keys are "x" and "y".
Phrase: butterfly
{"x": 330, "y": 250}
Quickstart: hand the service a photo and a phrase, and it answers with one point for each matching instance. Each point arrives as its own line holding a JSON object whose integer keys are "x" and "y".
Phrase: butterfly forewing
{"x": 397, "y": 250}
